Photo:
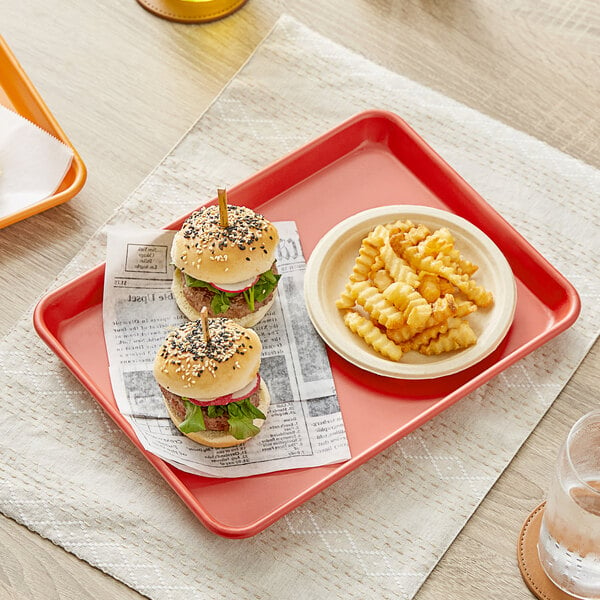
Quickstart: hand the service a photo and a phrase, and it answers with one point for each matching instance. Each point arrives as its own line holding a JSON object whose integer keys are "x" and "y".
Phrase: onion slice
{"x": 240, "y": 394}
{"x": 236, "y": 288}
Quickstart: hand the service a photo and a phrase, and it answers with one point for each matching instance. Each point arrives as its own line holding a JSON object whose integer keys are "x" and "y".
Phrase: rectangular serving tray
{"x": 18, "y": 94}
{"x": 372, "y": 159}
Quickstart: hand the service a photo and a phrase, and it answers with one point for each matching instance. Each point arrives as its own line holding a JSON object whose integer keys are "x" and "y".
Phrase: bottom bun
{"x": 222, "y": 439}
{"x": 193, "y": 315}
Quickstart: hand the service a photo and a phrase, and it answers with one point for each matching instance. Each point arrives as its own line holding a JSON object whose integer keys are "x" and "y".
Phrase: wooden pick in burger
{"x": 224, "y": 222}
{"x": 204, "y": 320}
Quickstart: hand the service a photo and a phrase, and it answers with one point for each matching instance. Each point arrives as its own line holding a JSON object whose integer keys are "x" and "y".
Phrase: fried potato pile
{"x": 411, "y": 289}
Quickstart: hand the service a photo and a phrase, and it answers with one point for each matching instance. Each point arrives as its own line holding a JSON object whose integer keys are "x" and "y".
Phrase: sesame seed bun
{"x": 240, "y": 251}
{"x": 248, "y": 320}
{"x": 188, "y": 366}
{"x": 223, "y": 439}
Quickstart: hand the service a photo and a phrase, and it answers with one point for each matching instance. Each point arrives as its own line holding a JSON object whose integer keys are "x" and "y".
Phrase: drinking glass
{"x": 569, "y": 543}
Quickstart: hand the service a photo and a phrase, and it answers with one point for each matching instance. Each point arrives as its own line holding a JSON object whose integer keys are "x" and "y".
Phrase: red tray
{"x": 370, "y": 160}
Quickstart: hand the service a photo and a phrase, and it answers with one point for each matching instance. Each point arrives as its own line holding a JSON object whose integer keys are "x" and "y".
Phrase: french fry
{"x": 440, "y": 244}
{"x": 346, "y": 298}
{"x": 372, "y": 336}
{"x": 442, "y": 309}
{"x": 378, "y": 307}
{"x": 459, "y": 335}
{"x": 382, "y": 279}
{"x": 429, "y": 286}
{"x": 421, "y": 339}
{"x": 414, "y": 307}
{"x": 397, "y": 267}
{"x": 464, "y": 308}
{"x": 368, "y": 253}
{"x": 368, "y": 260}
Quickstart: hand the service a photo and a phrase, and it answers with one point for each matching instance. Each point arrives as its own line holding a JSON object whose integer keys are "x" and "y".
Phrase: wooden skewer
{"x": 224, "y": 222}
{"x": 204, "y": 319}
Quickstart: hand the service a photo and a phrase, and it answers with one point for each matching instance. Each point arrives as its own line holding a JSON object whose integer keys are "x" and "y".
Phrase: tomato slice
{"x": 240, "y": 394}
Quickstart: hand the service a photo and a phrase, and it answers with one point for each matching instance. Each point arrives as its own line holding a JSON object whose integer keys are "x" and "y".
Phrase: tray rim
{"x": 77, "y": 169}
{"x": 339, "y": 470}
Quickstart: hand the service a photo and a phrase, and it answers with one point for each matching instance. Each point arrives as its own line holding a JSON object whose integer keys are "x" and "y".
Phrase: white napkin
{"x": 32, "y": 163}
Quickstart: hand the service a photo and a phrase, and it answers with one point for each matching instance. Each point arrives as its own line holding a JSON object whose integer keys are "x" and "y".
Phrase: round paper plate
{"x": 331, "y": 263}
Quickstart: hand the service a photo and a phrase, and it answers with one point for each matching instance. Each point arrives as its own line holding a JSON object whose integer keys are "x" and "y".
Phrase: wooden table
{"x": 126, "y": 85}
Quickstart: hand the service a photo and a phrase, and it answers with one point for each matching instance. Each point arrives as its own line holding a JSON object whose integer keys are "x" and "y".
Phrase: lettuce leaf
{"x": 249, "y": 297}
{"x": 241, "y": 415}
{"x": 216, "y": 410}
{"x": 194, "y": 419}
{"x": 266, "y": 283}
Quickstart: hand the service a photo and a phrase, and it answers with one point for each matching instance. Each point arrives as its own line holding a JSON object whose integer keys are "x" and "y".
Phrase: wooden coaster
{"x": 192, "y": 12}
{"x": 529, "y": 563}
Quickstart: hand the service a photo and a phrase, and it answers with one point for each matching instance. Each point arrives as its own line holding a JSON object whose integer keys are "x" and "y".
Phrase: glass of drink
{"x": 569, "y": 543}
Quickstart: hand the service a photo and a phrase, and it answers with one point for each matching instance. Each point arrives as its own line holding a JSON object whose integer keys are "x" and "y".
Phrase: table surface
{"x": 126, "y": 85}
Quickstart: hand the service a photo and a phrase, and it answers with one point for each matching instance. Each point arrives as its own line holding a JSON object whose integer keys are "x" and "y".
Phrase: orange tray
{"x": 373, "y": 159}
{"x": 18, "y": 93}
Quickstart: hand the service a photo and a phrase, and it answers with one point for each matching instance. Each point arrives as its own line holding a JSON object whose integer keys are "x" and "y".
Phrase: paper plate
{"x": 331, "y": 263}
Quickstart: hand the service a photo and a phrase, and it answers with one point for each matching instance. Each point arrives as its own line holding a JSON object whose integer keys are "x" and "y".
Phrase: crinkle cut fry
{"x": 381, "y": 279}
{"x": 459, "y": 335}
{"x": 464, "y": 308}
{"x": 378, "y": 266}
{"x": 415, "y": 308}
{"x": 397, "y": 267}
{"x": 417, "y": 234}
{"x": 372, "y": 335}
{"x": 376, "y": 305}
{"x": 424, "y": 337}
{"x": 435, "y": 333}
{"x": 346, "y": 298}
{"x": 429, "y": 287}
{"x": 368, "y": 252}
{"x": 399, "y": 226}
{"x": 368, "y": 256}
{"x": 440, "y": 244}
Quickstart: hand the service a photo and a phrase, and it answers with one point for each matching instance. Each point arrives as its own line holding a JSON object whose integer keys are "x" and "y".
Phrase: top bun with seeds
{"x": 208, "y": 252}
{"x": 188, "y": 365}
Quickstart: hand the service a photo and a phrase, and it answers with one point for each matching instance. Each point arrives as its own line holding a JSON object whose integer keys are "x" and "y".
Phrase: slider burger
{"x": 225, "y": 263}
{"x": 207, "y": 371}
